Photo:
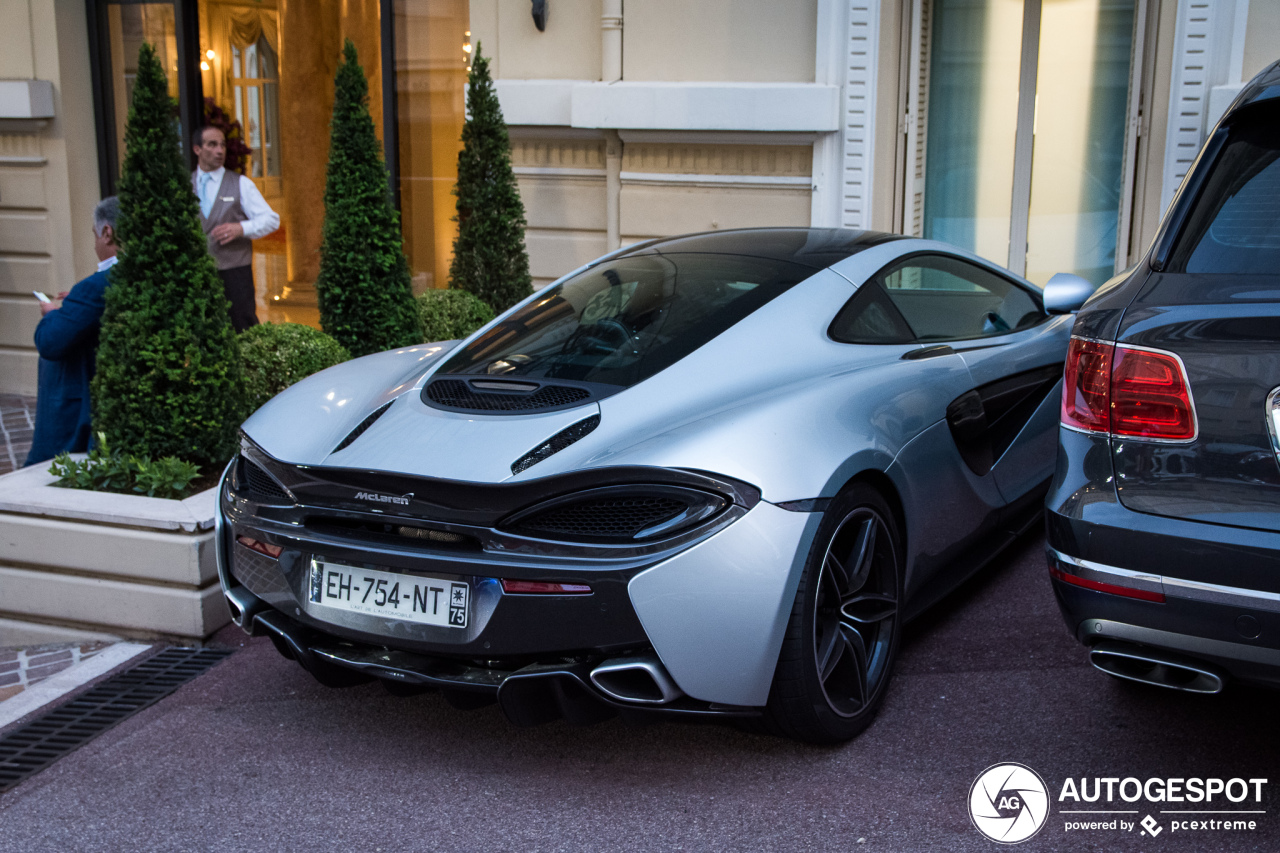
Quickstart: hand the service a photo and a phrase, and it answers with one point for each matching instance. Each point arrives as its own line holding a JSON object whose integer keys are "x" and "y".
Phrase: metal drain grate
{"x": 43, "y": 741}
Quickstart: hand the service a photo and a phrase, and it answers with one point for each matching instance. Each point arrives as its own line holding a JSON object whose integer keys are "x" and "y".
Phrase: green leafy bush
{"x": 366, "y": 300}
{"x": 108, "y": 470}
{"x": 489, "y": 257}
{"x": 450, "y": 314}
{"x": 276, "y": 355}
{"x": 168, "y": 381}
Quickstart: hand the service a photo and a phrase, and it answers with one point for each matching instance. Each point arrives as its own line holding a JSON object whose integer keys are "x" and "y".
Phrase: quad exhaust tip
{"x": 639, "y": 679}
{"x": 1162, "y": 669}
{"x": 244, "y": 605}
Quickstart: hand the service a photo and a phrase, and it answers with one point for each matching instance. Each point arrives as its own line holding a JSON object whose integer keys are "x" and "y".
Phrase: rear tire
{"x": 842, "y": 639}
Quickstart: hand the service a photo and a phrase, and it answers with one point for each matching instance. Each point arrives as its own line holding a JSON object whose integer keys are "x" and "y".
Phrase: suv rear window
{"x": 1234, "y": 227}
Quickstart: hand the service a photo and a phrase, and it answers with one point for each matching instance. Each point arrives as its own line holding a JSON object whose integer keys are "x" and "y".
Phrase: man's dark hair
{"x": 105, "y": 213}
{"x": 197, "y": 136}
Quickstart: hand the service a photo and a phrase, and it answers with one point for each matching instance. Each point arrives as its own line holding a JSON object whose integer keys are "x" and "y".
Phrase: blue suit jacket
{"x": 67, "y": 340}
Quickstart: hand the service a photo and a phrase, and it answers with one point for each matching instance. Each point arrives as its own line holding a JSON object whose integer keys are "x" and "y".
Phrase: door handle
{"x": 927, "y": 352}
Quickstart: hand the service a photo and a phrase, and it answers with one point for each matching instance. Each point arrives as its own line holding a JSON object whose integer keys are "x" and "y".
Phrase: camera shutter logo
{"x": 1008, "y": 803}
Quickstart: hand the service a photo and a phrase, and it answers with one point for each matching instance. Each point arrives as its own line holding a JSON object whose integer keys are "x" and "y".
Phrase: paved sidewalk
{"x": 17, "y": 422}
{"x": 27, "y": 667}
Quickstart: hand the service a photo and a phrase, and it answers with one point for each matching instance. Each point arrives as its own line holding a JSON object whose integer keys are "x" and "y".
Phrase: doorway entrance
{"x": 264, "y": 70}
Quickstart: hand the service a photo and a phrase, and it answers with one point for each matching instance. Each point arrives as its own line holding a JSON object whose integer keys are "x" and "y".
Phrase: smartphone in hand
{"x": 38, "y": 295}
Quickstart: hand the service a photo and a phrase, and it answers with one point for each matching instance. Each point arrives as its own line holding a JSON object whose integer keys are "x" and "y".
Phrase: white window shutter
{"x": 917, "y": 120}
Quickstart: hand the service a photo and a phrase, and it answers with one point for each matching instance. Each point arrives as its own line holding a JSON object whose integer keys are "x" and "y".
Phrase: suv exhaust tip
{"x": 1162, "y": 669}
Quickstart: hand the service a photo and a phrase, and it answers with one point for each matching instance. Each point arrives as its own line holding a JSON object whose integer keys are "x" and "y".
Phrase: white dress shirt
{"x": 108, "y": 263}
{"x": 262, "y": 219}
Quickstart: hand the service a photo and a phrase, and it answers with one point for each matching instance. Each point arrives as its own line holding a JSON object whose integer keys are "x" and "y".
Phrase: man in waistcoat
{"x": 233, "y": 214}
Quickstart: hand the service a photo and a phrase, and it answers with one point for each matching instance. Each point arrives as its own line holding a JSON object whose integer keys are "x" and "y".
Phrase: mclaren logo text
{"x": 403, "y": 500}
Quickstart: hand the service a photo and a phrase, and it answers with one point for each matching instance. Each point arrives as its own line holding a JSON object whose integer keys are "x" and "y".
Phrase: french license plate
{"x": 414, "y": 598}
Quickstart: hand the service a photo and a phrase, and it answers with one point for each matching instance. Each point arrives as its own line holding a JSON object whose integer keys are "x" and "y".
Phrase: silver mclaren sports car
{"x": 707, "y": 475}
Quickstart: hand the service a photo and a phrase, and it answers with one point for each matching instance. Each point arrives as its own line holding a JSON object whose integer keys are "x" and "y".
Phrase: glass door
{"x": 117, "y": 32}
{"x": 1079, "y": 138}
{"x": 1025, "y": 106}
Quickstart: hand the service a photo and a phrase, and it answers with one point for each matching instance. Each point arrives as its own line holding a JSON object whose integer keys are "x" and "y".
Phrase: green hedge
{"x": 451, "y": 314}
{"x": 276, "y": 355}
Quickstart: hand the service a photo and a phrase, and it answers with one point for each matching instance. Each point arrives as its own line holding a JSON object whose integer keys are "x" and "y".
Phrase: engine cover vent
{"x": 362, "y": 426}
{"x": 497, "y": 396}
{"x": 555, "y": 444}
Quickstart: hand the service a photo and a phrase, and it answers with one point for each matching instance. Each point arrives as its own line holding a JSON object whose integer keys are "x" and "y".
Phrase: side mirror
{"x": 1066, "y": 292}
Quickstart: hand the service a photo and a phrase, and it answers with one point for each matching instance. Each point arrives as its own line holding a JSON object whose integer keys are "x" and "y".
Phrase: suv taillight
{"x": 1086, "y": 387}
{"x": 1126, "y": 391}
{"x": 1150, "y": 397}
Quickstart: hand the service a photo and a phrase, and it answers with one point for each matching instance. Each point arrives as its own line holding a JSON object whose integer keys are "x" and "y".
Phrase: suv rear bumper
{"x": 1199, "y": 621}
{"x": 1220, "y": 585}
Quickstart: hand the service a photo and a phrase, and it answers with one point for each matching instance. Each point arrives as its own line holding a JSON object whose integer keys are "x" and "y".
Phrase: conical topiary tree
{"x": 489, "y": 258}
{"x": 366, "y": 300}
{"x": 168, "y": 381}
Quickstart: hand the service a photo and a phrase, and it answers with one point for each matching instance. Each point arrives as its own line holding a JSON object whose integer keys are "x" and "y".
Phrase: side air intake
{"x": 261, "y": 485}
{"x": 555, "y": 444}
{"x": 362, "y": 426}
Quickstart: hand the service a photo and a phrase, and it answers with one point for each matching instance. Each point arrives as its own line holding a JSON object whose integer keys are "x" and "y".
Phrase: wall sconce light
{"x": 540, "y": 15}
{"x": 204, "y": 66}
{"x": 209, "y": 54}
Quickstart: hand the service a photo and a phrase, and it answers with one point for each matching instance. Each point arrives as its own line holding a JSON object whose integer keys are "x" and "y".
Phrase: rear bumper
{"x": 1206, "y": 591}
{"x": 1232, "y": 630}
{"x": 528, "y": 695}
{"x": 713, "y": 611}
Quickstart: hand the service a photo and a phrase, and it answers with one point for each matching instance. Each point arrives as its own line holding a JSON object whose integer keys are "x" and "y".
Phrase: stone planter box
{"x": 119, "y": 564}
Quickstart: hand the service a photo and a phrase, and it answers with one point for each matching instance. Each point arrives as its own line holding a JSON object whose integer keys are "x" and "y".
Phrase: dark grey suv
{"x": 1164, "y": 512}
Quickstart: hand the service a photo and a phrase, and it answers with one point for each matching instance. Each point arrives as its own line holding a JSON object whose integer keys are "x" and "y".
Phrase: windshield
{"x": 623, "y": 321}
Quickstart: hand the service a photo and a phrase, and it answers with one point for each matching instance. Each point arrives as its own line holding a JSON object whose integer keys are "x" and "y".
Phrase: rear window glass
{"x": 1235, "y": 225}
{"x": 623, "y": 321}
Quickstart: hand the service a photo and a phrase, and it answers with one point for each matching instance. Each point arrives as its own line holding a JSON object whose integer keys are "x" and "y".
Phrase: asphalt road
{"x": 256, "y": 756}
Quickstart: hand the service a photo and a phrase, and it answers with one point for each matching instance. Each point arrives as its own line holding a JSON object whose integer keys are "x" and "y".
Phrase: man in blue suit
{"x": 67, "y": 339}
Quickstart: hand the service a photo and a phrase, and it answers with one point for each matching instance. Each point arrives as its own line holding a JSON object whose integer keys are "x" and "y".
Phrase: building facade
{"x": 1047, "y": 135}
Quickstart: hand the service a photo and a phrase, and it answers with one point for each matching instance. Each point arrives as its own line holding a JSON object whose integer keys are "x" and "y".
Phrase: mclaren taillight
{"x": 1086, "y": 387}
{"x": 1127, "y": 391}
{"x": 1150, "y": 397}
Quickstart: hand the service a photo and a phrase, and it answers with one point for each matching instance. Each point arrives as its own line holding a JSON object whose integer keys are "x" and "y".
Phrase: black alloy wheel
{"x": 841, "y": 642}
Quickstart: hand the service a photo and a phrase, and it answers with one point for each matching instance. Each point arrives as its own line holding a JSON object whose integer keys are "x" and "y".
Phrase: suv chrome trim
{"x": 1272, "y": 410}
{"x": 1171, "y": 587}
{"x": 1107, "y": 574}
